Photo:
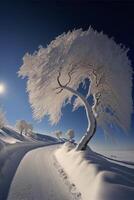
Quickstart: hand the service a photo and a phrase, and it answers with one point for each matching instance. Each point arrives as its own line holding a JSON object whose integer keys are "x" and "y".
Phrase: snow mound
{"x": 94, "y": 176}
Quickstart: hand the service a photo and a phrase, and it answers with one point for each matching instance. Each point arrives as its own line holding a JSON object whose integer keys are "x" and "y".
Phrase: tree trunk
{"x": 91, "y": 120}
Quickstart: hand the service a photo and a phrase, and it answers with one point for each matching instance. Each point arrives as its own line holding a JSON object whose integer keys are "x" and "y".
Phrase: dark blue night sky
{"x": 27, "y": 24}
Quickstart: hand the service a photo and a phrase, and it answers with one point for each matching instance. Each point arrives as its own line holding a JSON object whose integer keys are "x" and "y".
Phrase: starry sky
{"x": 24, "y": 25}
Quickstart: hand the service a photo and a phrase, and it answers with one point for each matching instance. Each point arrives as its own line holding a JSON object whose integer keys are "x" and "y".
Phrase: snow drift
{"x": 94, "y": 176}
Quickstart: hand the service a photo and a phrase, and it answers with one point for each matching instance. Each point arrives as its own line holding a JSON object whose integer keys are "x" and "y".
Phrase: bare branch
{"x": 59, "y": 91}
{"x": 69, "y": 75}
{"x": 58, "y": 88}
{"x": 61, "y": 86}
{"x": 58, "y": 80}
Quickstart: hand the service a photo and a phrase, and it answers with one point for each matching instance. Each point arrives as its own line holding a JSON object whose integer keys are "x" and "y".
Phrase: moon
{"x": 2, "y": 88}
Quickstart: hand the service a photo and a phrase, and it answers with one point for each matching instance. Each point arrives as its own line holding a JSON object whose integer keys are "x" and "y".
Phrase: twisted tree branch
{"x": 61, "y": 86}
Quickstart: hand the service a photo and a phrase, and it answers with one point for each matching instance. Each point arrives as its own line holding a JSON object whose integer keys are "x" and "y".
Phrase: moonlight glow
{"x": 2, "y": 88}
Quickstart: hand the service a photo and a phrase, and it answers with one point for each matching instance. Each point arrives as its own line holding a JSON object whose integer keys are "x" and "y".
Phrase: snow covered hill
{"x": 75, "y": 175}
{"x": 38, "y": 179}
{"x": 8, "y": 137}
{"x": 11, "y": 136}
{"x": 96, "y": 176}
{"x": 121, "y": 157}
{"x": 39, "y": 167}
{"x": 13, "y": 148}
{"x": 41, "y": 137}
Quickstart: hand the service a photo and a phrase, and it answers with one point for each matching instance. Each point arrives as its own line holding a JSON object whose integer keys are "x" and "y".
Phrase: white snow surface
{"x": 122, "y": 157}
{"x": 38, "y": 179}
{"x": 35, "y": 174}
{"x": 13, "y": 147}
{"x": 7, "y": 138}
{"x": 94, "y": 176}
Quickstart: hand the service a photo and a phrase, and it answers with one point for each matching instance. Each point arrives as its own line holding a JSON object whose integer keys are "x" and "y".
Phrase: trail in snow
{"x": 37, "y": 178}
{"x": 10, "y": 158}
{"x": 94, "y": 176}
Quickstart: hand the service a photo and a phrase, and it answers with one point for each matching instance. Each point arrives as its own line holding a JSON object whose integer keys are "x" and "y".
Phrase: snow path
{"x": 10, "y": 158}
{"x": 37, "y": 178}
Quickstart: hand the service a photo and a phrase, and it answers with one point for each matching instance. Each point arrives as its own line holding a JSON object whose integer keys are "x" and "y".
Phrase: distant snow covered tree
{"x": 28, "y": 129}
{"x": 70, "y": 134}
{"x": 58, "y": 134}
{"x": 21, "y": 126}
{"x": 24, "y": 127}
{"x": 2, "y": 119}
{"x": 55, "y": 73}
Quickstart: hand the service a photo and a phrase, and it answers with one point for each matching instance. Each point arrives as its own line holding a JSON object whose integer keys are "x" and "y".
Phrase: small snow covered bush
{"x": 58, "y": 134}
{"x": 70, "y": 134}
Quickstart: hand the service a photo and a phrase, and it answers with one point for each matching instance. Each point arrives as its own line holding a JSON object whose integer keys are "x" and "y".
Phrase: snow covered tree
{"x": 28, "y": 129}
{"x": 58, "y": 134}
{"x": 24, "y": 127}
{"x": 70, "y": 134}
{"x": 2, "y": 119}
{"x": 21, "y": 126}
{"x": 55, "y": 73}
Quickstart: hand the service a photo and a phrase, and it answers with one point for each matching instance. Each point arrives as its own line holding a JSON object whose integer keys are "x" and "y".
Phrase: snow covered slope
{"x": 13, "y": 148}
{"x": 14, "y": 134}
{"x": 9, "y": 135}
{"x": 10, "y": 157}
{"x": 96, "y": 177}
{"x": 38, "y": 179}
{"x": 41, "y": 137}
{"x": 122, "y": 157}
{"x": 2, "y": 144}
{"x": 32, "y": 174}
{"x": 7, "y": 138}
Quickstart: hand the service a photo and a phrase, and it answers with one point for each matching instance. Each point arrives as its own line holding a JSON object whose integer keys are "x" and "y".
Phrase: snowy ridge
{"x": 94, "y": 176}
{"x": 9, "y": 135}
{"x": 7, "y": 138}
{"x": 72, "y": 188}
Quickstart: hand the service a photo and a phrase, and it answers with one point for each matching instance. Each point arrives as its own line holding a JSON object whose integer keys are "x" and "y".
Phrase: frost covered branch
{"x": 61, "y": 86}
